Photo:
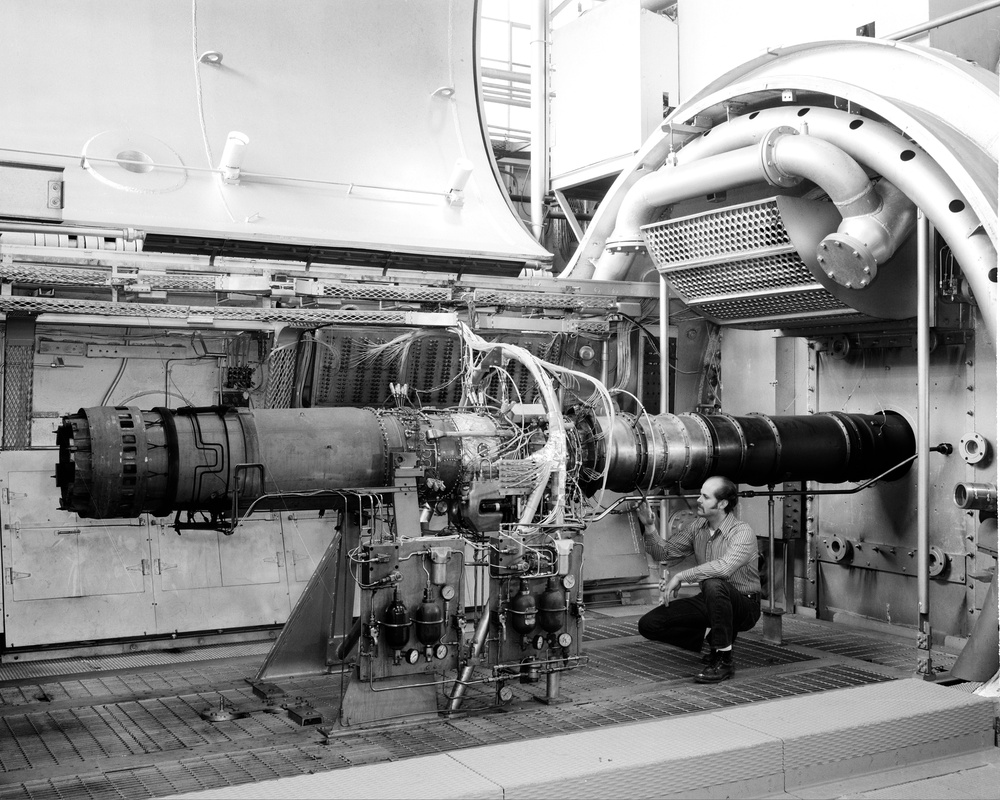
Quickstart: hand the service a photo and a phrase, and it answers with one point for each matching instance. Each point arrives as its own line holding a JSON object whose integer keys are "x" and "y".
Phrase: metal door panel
{"x": 306, "y": 536}
{"x": 253, "y": 554}
{"x": 30, "y": 491}
{"x": 188, "y": 561}
{"x": 204, "y": 580}
{"x": 48, "y": 563}
{"x": 63, "y": 581}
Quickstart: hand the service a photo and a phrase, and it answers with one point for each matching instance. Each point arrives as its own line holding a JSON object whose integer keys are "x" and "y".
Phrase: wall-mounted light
{"x": 232, "y": 157}
{"x": 460, "y": 175}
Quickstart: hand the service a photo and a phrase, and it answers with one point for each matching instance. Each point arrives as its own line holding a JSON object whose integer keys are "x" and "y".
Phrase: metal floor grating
{"x": 138, "y": 733}
{"x": 152, "y": 658}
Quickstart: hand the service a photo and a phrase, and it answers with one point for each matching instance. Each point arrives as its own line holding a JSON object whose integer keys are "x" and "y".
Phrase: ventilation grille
{"x": 769, "y": 272}
{"x": 718, "y": 234}
{"x": 739, "y": 267}
{"x": 355, "y": 367}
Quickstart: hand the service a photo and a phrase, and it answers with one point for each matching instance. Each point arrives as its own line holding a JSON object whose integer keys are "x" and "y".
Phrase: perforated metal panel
{"x": 73, "y": 276}
{"x": 716, "y": 235}
{"x": 739, "y": 266}
{"x": 17, "y": 386}
{"x": 280, "y": 376}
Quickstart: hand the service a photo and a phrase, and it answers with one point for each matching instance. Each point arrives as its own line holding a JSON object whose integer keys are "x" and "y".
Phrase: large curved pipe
{"x": 892, "y": 155}
{"x": 871, "y": 230}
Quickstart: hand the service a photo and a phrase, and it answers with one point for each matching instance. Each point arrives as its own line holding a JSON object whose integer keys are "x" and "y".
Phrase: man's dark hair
{"x": 727, "y": 491}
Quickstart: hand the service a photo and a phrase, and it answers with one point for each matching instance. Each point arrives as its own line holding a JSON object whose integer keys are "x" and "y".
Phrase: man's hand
{"x": 645, "y": 514}
{"x": 672, "y": 588}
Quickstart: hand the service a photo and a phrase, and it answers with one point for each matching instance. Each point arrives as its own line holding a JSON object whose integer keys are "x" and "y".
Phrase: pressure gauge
{"x": 412, "y": 656}
{"x": 447, "y": 592}
{"x": 538, "y": 642}
{"x": 441, "y": 651}
{"x": 506, "y": 694}
{"x": 569, "y": 581}
{"x": 565, "y": 640}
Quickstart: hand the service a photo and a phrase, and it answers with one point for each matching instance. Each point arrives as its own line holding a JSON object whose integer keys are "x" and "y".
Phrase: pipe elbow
{"x": 877, "y": 217}
{"x": 852, "y": 255}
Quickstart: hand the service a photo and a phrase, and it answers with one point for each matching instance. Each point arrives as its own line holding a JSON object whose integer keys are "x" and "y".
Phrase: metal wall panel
{"x": 64, "y": 580}
{"x": 205, "y": 580}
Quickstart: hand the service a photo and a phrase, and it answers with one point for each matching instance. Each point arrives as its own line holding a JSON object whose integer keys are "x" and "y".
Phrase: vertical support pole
{"x": 539, "y": 115}
{"x": 810, "y": 505}
{"x": 664, "y": 378}
{"x": 925, "y": 274}
{"x": 771, "y": 615}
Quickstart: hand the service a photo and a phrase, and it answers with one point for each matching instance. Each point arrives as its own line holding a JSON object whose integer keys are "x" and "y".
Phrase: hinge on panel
{"x": 143, "y": 566}
{"x": 10, "y": 575}
{"x": 278, "y": 559}
{"x": 160, "y": 567}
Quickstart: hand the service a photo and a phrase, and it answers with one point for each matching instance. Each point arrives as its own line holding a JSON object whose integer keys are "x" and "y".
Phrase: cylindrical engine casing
{"x": 122, "y": 462}
{"x": 660, "y": 451}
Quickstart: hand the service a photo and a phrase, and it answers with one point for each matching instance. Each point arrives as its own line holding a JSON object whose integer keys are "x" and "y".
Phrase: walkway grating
{"x": 138, "y": 733}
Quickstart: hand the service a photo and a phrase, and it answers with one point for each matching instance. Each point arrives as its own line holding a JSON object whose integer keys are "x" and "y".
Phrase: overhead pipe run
{"x": 872, "y": 144}
{"x": 783, "y": 158}
{"x": 877, "y": 217}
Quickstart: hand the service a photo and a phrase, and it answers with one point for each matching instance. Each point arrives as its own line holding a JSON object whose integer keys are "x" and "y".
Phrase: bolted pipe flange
{"x": 937, "y": 561}
{"x": 772, "y": 172}
{"x": 840, "y": 550}
{"x": 975, "y": 448}
{"x": 847, "y": 261}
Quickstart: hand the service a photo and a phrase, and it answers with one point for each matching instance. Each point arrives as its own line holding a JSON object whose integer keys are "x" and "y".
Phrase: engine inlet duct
{"x": 119, "y": 462}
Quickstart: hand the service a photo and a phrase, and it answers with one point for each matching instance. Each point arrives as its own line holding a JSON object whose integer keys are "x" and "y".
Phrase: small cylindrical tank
{"x": 523, "y": 610}
{"x": 551, "y": 606}
{"x": 396, "y": 623}
{"x": 428, "y": 621}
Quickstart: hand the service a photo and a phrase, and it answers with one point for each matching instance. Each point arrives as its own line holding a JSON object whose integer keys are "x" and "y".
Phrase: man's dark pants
{"x": 718, "y": 606}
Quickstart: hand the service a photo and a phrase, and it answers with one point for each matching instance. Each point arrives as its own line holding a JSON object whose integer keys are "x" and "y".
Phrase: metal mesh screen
{"x": 797, "y": 304}
{"x": 280, "y": 377}
{"x": 17, "y": 380}
{"x": 428, "y": 294}
{"x": 73, "y": 276}
{"x": 738, "y": 266}
{"x": 713, "y": 236}
{"x": 292, "y": 316}
{"x": 767, "y": 272}
{"x": 542, "y": 299}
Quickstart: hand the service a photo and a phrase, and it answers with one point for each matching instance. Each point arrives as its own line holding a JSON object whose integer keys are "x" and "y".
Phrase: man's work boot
{"x": 720, "y": 668}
